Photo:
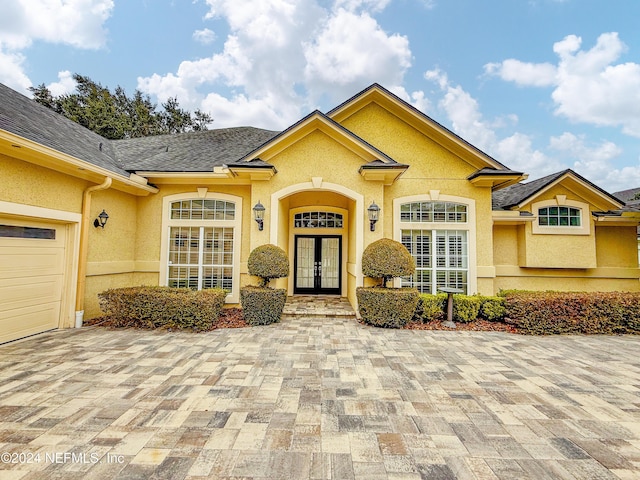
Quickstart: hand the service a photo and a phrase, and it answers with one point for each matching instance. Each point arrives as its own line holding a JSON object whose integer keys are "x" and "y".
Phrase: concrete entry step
{"x": 318, "y": 306}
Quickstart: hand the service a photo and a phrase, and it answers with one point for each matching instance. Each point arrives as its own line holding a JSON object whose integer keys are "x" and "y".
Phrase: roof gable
{"x": 418, "y": 120}
{"x": 317, "y": 121}
{"x": 521, "y": 194}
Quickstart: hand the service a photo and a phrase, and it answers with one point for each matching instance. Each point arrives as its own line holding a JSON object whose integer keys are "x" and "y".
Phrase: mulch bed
{"x": 477, "y": 326}
{"x": 232, "y": 318}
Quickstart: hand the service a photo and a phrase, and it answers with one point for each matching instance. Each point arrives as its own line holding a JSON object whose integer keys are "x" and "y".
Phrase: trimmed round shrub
{"x": 387, "y": 307}
{"x": 268, "y": 262}
{"x": 387, "y": 259}
{"x": 262, "y": 306}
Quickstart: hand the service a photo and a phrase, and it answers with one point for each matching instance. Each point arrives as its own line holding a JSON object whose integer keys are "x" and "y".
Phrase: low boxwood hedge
{"x": 466, "y": 308}
{"x": 387, "y": 307}
{"x": 163, "y": 307}
{"x": 262, "y": 305}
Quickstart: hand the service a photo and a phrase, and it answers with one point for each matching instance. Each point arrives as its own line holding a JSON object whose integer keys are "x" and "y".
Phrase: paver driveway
{"x": 319, "y": 398}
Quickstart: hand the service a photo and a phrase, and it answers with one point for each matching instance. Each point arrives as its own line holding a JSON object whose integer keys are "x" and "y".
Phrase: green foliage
{"x": 466, "y": 308}
{"x": 163, "y": 307}
{"x": 493, "y": 308}
{"x": 115, "y": 115}
{"x": 268, "y": 262}
{"x": 387, "y": 307}
{"x": 387, "y": 259}
{"x": 431, "y": 307}
{"x": 262, "y": 306}
{"x": 546, "y": 313}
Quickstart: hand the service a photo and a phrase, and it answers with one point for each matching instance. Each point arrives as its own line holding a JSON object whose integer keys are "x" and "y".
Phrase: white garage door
{"x": 32, "y": 267}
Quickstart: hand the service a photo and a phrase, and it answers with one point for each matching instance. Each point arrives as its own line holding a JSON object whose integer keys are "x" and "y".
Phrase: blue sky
{"x": 541, "y": 85}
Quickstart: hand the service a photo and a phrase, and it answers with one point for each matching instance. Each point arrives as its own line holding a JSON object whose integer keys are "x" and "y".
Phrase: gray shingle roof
{"x": 515, "y": 194}
{"x": 190, "y": 152}
{"x": 25, "y": 117}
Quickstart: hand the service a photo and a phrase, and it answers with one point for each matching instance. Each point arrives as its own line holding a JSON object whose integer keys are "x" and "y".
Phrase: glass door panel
{"x": 330, "y": 277}
{"x": 305, "y": 262}
{"x": 317, "y": 264}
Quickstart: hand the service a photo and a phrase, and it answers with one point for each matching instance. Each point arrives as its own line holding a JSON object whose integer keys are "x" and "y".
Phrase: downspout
{"x": 84, "y": 238}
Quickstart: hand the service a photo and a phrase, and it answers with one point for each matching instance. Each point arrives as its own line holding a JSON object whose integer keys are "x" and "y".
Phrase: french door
{"x": 318, "y": 264}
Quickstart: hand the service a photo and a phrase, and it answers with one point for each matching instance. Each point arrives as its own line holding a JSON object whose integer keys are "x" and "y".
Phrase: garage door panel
{"x": 18, "y": 323}
{"x": 22, "y": 292}
{"x": 20, "y": 262}
{"x": 32, "y": 276}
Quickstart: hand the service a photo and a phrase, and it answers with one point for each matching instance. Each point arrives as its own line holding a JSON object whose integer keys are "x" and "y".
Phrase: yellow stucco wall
{"x": 23, "y": 182}
{"x": 616, "y": 246}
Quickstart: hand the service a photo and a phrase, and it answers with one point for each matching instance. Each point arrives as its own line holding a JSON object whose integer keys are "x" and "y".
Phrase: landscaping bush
{"x": 545, "y": 313}
{"x": 387, "y": 259}
{"x": 387, "y": 307}
{"x": 431, "y": 307}
{"x": 262, "y": 305}
{"x": 163, "y": 307}
{"x": 268, "y": 262}
{"x": 465, "y": 308}
{"x": 493, "y": 309}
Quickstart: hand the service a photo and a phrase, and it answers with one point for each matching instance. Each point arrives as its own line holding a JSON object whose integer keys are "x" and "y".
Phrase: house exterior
{"x": 631, "y": 198}
{"x": 181, "y": 211}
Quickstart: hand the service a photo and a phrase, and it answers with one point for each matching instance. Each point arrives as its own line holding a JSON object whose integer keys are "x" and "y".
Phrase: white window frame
{"x": 585, "y": 221}
{"x": 469, "y": 226}
{"x": 236, "y": 224}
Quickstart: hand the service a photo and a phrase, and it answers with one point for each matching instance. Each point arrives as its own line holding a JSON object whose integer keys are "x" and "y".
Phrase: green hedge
{"x": 262, "y": 305}
{"x": 387, "y": 307}
{"x": 431, "y": 307}
{"x": 466, "y": 308}
{"x": 545, "y": 313}
{"x": 163, "y": 307}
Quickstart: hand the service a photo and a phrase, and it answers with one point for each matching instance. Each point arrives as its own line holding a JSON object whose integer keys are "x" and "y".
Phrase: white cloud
{"x": 524, "y": 74}
{"x": 79, "y": 23}
{"x": 595, "y": 162}
{"x": 516, "y": 151}
{"x": 368, "y": 5}
{"x": 286, "y": 54}
{"x": 65, "y": 84}
{"x": 204, "y": 36}
{"x": 12, "y": 71}
{"x": 351, "y": 52}
{"x": 589, "y": 87}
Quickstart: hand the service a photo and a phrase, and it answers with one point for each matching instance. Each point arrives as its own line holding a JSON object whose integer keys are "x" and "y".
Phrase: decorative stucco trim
{"x": 360, "y": 211}
{"x": 585, "y": 217}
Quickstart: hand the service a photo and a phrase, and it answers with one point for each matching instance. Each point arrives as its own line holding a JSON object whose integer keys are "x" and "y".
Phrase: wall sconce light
{"x": 374, "y": 214}
{"x": 101, "y": 221}
{"x": 258, "y": 214}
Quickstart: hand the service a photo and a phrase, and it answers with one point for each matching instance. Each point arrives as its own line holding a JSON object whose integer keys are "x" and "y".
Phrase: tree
{"x": 116, "y": 115}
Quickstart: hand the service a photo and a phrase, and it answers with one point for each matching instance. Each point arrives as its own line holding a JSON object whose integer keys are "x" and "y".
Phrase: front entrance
{"x": 318, "y": 264}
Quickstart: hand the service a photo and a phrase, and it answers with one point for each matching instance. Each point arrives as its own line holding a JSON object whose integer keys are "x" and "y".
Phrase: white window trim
{"x": 560, "y": 201}
{"x": 469, "y": 226}
{"x": 236, "y": 224}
